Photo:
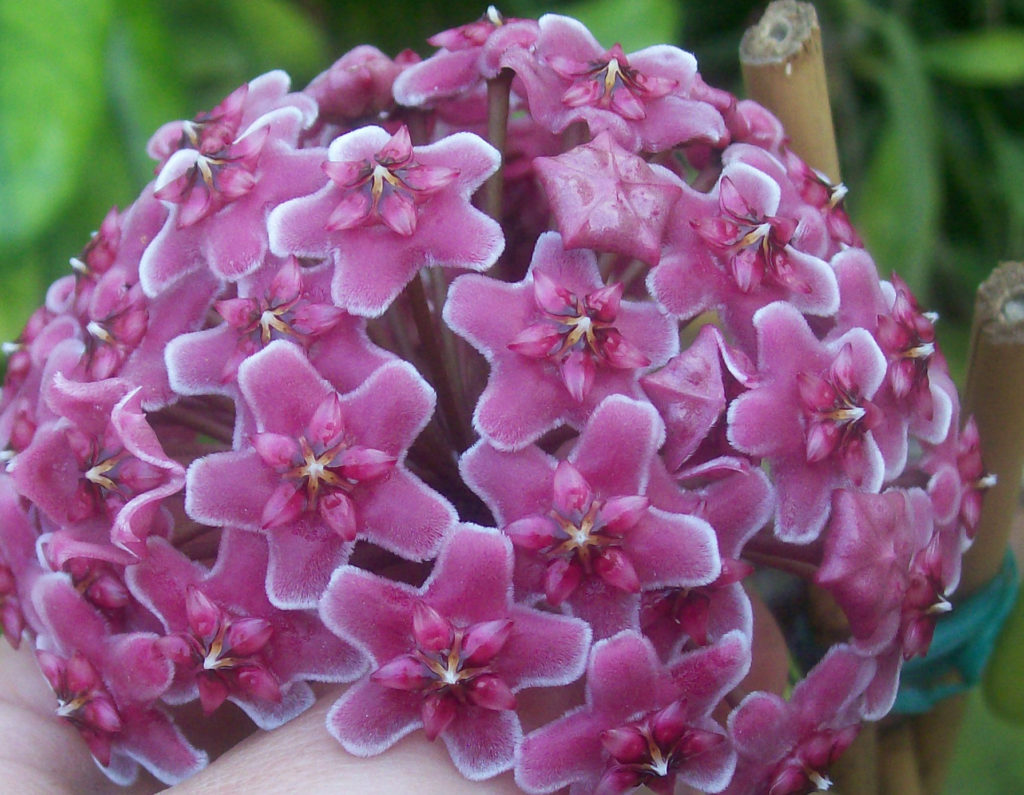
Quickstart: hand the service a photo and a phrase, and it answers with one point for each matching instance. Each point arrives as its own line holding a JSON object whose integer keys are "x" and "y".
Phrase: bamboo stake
{"x": 857, "y": 770}
{"x": 995, "y": 382}
{"x": 899, "y": 771}
{"x": 784, "y": 69}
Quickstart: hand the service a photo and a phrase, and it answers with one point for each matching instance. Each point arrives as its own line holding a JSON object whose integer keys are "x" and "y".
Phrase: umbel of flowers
{"x": 461, "y": 377}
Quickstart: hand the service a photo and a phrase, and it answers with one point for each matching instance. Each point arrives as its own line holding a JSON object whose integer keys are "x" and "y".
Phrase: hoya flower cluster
{"x": 351, "y": 394}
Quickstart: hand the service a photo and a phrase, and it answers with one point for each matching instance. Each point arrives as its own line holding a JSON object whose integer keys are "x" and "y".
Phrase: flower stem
{"x": 498, "y": 91}
{"x": 430, "y": 342}
{"x": 798, "y": 568}
{"x": 197, "y": 419}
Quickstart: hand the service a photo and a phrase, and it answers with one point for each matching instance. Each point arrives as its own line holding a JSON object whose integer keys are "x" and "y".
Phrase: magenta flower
{"x": 228, "y": 642}
{"x": 107, "y": 686}
{"x": 376, "y": 202}
{"x": 449, "y": 656}
{"x": 818, "y": 398}
{"x": 322, "y": 469}
{"x": 19, "y": 567}
{"x": 910, "y": 399}
{"x": 736, "y": 251}
{"x": 642, "y": 724}
{"x": 213, "y": 194}
{"x": 354, "y": 91}
{"x": 561, "y": 330}
{"x": 958, "y": 479}
{"x": 102, "y": 461}
{"x": 468, "y": 55}
{"x": 872, "y": 561}
{"x": 641, "y": 99}
{"x": 786, "y": 748}
{"x": 280, "y": 301}
{"x": 584, "y": 531}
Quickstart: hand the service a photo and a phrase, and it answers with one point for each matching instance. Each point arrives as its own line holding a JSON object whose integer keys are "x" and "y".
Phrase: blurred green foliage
{"x": 928, "y": 99}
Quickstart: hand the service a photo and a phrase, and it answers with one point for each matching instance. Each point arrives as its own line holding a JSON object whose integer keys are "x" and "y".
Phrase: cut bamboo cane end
{"x": 999, "y": 306}
{"x": 995, "y": 382}
{"x": 784, "y": 70}
{"x": 786, "y": 28}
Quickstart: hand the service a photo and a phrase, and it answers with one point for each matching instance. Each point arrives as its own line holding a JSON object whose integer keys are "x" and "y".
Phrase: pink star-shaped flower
{"x": 786, "y": 747}
{"x": 738, "y": 249}
{"x": 219, "y": 200}
{"x": 958, "y": 478}
{"x": 469, "y": 55}
{"x": 387, "y": 210}
{"x": 228, "y": 642}
{"x": 448, "y": 657}
{"x": 321, "y": 470}
{"x": 811, "y": 417}
{"x": 562, "y": 332}
{"x": 641, "y": 99}
{"x": 872, "y": 544}
{"x": 17, "y": 554}
{"x": 280, "y": 301}
{"x": 737, "y": 499}
{"x": 910, "y": 398}
{"x": 643, "y": 723}
{"x": 354, "y": 91}
{"x": 584, "y": 530}
{"x": 108, "y": 685}
{"x": 103, "y": 460}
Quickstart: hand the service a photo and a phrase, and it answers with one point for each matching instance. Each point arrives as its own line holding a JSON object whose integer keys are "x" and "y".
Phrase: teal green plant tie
{"x": 961, "y": 646}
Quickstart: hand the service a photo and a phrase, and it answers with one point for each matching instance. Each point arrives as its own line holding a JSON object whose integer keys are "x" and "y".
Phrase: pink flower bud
{"x": 483, "y": 641}
{"x": 364, "y": 463}
{"x": 213, "y": 691}
{"x": 437, "y": 711}
{"x": 260, "y": 683}
{"x": 403, "y": 673}
{"x": 491, "y": 692}
{"x": 626, "y": 744}
{"x": 621, "y": 514}
{"x": 561, "y": 578}
{"x": 432, "y": 631}
{"x": 571, "y": 490}
{"x": 247, "y": 636}
{"x": 615, "y": 568}
{"x": 533, "y": 533}
{"x": 277, "y": 450}
{"x": 328, "y": 423}
{"x": 204, "y": 617}
{"x": 338, "y": 512}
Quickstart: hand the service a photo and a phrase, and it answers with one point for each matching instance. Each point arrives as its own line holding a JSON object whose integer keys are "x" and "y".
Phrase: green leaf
{"x": 144, "y": 81}
{"x": 634, "y": 25}
{"x": 22, "y": 290}
{"x": 51, "y": 102}
{"x": 277, "y": 35}
{"x": 992, "y": 57}
{"x": 1001, "y": 683}
{"x": 897, "y": 208}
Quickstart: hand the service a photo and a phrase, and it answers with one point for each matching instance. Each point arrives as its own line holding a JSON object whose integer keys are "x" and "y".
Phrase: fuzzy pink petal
{"x": 303, "y": 555}
{"x": 619, "y": 439}
{"x": 369, "y": 718}
{"x": 482, "y": 742}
